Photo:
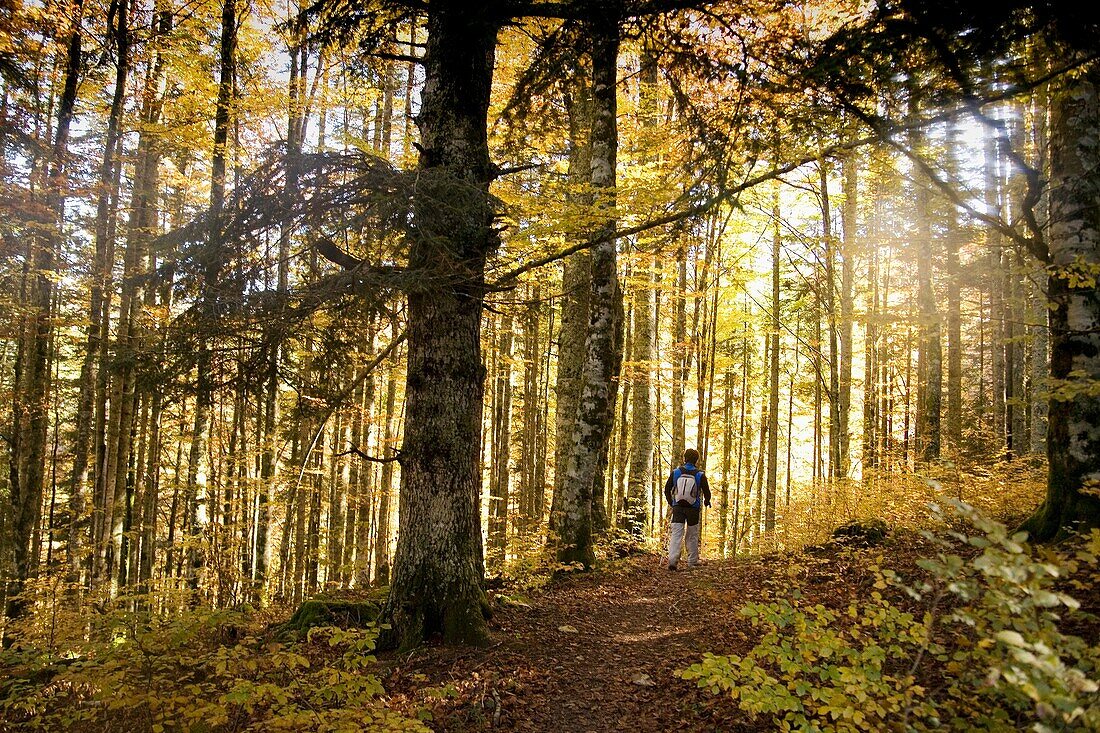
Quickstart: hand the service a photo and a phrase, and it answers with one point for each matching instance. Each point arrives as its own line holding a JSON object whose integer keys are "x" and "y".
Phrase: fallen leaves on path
{"x": 599, "y": 651}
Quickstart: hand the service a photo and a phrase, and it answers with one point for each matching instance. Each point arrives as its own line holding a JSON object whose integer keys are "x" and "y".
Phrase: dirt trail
{"x": 593, "y": 653}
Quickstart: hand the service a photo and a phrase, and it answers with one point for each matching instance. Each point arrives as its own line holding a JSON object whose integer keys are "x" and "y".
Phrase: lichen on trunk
{"x": 1073, "y": 445}
{"x": 592, "y": 426}
{"x": 438, "y": 570}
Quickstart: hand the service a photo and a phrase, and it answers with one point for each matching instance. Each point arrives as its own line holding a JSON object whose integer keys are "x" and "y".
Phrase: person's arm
{"x": 704, "y": 487}
{"x": 668, "y": 488}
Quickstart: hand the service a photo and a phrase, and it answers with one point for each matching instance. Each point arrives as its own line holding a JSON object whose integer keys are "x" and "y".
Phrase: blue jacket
{"x": 704, "y": 487}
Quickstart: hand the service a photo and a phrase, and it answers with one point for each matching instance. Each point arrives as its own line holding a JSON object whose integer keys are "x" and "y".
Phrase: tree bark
{"x": 640, "y": 475}
{"x": 952, "y": 428}
{"x": 849, "y": 223}
{"x": 500, "y": 465}
{"x": 1073, "y": 445}
{"x": 575, "y": 284}
{"x": 772, "y": 427}
{"x": 383, "y": 535}
{"x": 30, "y": 384}
{"x": 533, "y": 426}
{"x": 198, "y": 464}
{"x": 592, "y": 426}
{"x": 830, "y": 290}
{"x": 996, "y": 294}
{"x": 438, "y": 567}
{"x": 636, "y": 510}
{"x": 930, "y": 362}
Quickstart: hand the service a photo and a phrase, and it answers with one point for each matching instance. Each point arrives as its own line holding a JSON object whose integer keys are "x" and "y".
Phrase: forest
{"x": 348, "y": 351}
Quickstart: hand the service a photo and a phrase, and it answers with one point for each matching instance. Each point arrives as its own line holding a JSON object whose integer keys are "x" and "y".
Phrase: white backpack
{"x": 685, "y": 488}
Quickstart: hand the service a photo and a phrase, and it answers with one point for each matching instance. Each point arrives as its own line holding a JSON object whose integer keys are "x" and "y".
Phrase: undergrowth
{"x": 976, "y": 645}
{"x": 200, "y": 671}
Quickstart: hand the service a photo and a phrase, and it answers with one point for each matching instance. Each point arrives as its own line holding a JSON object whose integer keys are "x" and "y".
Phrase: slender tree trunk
{"x": 930, "y": 363}
{"x": 500, "y": 465}
{"x": 848, "y": 220}
{"x": 316, "y": 458}
{"x": 952, "y": 429}
{"x": 830, "y": 288}
{"x": 339, "y": 499}
{"x": 642, "y": 425}
{"x": 1040, "y": 332}
{"x": 996, "y": 293}
{"x": 727, "y": 446}
{"x": 1040, "y": 382}
{"x": 367, "y": 564}
{"x": 30, "y": 384}
{"x": 680, "y": 356}
{"x": 129, "y": 339}
{"x": 773, "y": 374}
{"x": 198, "y": 464}
{"x": 150, "y": 495}
{"x": 531, "y": 502}
{"x": 790, "y": 407}
{"x": 385, "y": 488}
{"x": 870, "y": 453}
{"x": 742, "y": 426}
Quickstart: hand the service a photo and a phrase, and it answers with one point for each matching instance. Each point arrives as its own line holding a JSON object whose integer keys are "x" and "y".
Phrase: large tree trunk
{"x": 438, "y": 566}
{"x": 1073, "y": 445}
{"x": 592, "y": 426}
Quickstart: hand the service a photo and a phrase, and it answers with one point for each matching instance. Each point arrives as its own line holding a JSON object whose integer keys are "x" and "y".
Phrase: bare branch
{"x": 356, "y": 451}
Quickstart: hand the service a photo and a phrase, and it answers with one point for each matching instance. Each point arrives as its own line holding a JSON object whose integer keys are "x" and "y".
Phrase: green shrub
{"x": 191, "y": 674}
{"x": 988, "y": 636}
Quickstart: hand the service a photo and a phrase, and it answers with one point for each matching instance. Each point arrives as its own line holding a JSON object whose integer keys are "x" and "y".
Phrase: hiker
{"x": 685, "y": 490}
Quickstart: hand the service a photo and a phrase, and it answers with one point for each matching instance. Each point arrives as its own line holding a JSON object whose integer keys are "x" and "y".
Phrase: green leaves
{"x": 990, "y": 635}
{"x": 181, "y": 675}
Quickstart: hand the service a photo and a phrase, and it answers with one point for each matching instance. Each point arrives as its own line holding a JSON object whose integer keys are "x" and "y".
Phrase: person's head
{"x": 691, "y": 456}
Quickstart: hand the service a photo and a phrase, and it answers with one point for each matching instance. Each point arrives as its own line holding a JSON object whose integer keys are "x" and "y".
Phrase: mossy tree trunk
{"x": 438, "y": 569}
{"x": 1073, "y": 445}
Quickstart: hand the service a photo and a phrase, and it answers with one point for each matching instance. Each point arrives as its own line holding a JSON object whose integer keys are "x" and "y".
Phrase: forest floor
{"x": 599, "y": 651}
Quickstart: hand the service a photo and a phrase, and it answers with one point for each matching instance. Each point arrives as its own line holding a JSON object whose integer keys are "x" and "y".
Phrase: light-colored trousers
{"x": 676, "y": 538}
